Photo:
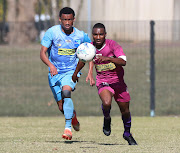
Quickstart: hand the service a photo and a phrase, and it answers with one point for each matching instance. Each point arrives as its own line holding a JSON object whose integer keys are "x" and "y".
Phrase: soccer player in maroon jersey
{"x": 109, "y": 62}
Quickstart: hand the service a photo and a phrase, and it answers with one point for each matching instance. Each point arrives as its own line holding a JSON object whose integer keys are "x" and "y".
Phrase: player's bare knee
{"x": 106, "y": 105}
{"x": 66, "y": 94}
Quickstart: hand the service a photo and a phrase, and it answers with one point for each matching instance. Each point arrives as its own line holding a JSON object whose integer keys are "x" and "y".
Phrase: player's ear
{"x": 74, "y": 19}
{"x": 59, "y": 19}
{"x": 105, "y": 34}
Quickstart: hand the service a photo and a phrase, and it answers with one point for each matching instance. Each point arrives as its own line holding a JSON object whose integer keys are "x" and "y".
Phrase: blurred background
{"x": 148, "y": 31}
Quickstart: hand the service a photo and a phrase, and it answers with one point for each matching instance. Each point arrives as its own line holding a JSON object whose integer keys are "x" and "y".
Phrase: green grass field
{"x": 43, "y": 134}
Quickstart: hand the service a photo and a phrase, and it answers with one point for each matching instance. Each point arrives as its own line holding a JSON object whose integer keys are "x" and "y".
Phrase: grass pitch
{"x": 43, "y": 134}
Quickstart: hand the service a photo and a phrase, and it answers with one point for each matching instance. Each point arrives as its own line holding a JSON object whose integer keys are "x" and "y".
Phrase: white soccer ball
{"x": 86, "y": 52}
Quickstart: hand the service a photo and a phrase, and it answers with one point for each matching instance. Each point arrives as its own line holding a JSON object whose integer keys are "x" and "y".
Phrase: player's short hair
{"x": 66, "y": 10}
{"x": 99, "y": 25}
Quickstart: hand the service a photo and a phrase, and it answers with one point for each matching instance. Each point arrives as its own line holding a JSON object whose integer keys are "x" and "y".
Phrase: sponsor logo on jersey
{"x": 63, "y": 51}
{"x": 105, "y": 67}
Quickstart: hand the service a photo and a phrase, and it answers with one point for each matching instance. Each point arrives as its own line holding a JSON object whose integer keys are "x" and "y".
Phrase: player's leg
{"x": 68, "y": 108}
{"x": 122, "y": 97}
{"x": 106, "y": 98}
{"x": 60, "y": 105}
{"x": 56, "y": 88}
{"x": 126, "y": 117}
{"x": 75, "y": 123}
{"x": 67, "y": 87}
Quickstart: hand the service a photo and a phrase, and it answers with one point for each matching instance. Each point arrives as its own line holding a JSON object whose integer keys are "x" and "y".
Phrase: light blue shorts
{"x": 58, "y": 81}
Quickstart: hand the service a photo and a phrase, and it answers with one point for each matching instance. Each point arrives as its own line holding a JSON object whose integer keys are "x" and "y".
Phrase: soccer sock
{"x": 106, "y": 113}
{"x": 127, "y": 125}
{"x": 68, "y": 108}
{"x": 74, "y": 118}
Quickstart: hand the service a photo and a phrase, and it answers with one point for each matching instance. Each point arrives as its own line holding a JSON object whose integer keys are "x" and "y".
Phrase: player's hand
{"x": 91, "y": 79}
{"x": 74, "y": 78}
{"x": 53, "y": 70}
{"x": 102, "y": 59}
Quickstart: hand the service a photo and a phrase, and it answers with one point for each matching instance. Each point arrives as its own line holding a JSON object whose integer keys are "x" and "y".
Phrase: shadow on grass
{"x": 89, "y": 142}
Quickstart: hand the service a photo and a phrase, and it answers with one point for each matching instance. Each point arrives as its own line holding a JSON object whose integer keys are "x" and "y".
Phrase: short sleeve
{"x": 47, "y": 39}
{"x": 117, "y": 49}
{"x": 86, "y": 38}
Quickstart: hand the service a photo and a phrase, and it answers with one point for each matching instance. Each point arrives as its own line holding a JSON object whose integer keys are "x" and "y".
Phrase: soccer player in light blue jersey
{"x": 60, "y": 42}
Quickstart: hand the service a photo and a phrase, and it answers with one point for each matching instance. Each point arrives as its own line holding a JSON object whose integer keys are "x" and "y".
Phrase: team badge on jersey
{"x": 77, "y": 42}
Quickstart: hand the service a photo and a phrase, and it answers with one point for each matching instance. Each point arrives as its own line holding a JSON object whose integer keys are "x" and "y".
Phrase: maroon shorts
{"x": 119, "y": 91}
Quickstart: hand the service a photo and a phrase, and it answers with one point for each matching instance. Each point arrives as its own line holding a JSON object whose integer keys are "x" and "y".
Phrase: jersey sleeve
{"x": 118, "y": 50}
{"x": 86, "y": 38}
{"x": 47, "y": 39}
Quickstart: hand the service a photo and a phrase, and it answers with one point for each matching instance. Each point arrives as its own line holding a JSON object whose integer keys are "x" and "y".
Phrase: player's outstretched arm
{"x": 45, "y": 59}
{"x": 79, "y": 66}
{"x": 90, "y": 74}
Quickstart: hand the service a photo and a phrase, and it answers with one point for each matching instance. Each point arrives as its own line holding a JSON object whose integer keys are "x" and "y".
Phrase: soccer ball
{"x": 86, "y": 52}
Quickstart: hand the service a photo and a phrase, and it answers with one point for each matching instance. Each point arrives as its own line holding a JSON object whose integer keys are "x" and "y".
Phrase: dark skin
{"x": 99, "y": 37}
{"x": 66, "y": 21}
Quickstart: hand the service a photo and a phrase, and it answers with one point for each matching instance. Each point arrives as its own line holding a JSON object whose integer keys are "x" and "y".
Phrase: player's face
{"x": 66, "y": 21}
{"x": 99, "y": 36}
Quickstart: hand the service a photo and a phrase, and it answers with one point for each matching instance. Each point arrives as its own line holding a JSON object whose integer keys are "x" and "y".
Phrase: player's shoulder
{"x": 52, "y": 31}
{"x": 111, "y": 43}
{"x": 54, "y": 28}
{"x": 78, "y": 31}
{"x": 82, "y": 35}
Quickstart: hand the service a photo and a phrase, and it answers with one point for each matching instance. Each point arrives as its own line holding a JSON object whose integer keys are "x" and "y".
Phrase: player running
{"x": 61, "y": 41}
{"x": 109, "y": 62}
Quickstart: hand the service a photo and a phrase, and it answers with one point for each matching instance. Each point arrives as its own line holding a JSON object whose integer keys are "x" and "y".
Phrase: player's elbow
{"x": 123, "y": 63}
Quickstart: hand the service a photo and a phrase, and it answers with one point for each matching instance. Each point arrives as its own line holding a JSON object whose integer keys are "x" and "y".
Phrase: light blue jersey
{"x": 62, "y": 54}
{"x": 62, "y": 47}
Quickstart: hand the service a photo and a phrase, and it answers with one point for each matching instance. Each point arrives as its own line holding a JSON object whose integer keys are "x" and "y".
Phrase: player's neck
{"x": 68, "y": 32}
{"x": 99, "y": 47}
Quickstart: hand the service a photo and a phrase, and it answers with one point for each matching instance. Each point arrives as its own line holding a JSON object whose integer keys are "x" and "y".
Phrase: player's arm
{"x": 79, "y": 66}
{"x": 119, "y": 56}
{"x": 90, "y": 74}
{"x": 45, "y": 59}
{"x": 118, "y": 61}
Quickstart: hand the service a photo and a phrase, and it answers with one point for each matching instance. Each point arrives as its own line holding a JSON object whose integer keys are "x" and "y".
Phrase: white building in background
{"x": 129, "y": 12}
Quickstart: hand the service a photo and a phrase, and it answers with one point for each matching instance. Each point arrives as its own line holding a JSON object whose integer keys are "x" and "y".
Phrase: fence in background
{"x": 24, "y": 89}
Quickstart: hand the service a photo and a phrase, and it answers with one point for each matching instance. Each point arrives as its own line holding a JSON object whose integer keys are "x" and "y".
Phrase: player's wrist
{"x": 110, "y": 59}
